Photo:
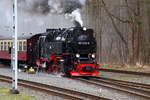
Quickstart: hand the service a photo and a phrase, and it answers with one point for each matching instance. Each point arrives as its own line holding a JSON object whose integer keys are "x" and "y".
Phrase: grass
{"x": 110, "y": 66}
{"x": 6, "y": 95}
{"x": 127, "y": 67}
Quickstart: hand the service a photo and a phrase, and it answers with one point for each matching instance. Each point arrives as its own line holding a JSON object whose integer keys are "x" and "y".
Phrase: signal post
{"x": 14, "y": 55}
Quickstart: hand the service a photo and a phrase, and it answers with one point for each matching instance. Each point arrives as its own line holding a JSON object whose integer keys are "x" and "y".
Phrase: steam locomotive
{"x": 71, "y": 51}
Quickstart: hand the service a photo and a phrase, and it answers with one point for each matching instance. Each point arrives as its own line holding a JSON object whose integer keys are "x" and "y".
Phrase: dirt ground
{"x": 137, "y": 67}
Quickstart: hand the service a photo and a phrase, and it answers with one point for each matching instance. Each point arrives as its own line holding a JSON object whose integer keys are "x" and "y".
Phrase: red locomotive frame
{"x": 56, "y": 66}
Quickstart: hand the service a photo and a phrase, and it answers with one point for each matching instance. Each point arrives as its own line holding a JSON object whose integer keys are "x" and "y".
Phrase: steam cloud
{"x": 70, "y": 8}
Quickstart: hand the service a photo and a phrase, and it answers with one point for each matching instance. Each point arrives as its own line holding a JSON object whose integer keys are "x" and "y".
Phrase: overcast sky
{"x": 28, "y": 23}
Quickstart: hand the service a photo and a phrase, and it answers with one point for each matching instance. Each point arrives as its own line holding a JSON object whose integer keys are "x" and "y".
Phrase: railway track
{"x": 134, "y": 84}
{"x": 124, "y": 72}
{"x": 137, "y": 89}
{"x": 53, "y": 90}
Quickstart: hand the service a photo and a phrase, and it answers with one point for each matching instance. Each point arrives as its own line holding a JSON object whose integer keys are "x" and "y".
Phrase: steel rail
{"x": 61, "y": 92}
{"x": 135, "y": 84}
{"x": 43, "y": 90}
{"x": 125, "y": 86}
{"x": 120, "y": 88}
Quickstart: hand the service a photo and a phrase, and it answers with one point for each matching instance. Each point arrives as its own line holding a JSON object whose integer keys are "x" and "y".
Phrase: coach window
{"x": 11, "y": 44}
{"x": 20, "y": 46}
{"x": 24, "y": 46}
{"x": 4, "y": 45}
{"x": 8, "y": 44}
{"x": 17, "y": 45}
{"x": 1, "y": 45}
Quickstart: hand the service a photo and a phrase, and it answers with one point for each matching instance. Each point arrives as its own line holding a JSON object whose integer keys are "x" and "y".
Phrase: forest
{"x": 122, "y": 30}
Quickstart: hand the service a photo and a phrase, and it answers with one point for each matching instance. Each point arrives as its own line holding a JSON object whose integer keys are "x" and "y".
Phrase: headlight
{"x": 77, "y": 55}
{"x": 62, "y": 60}
{"x": 93, "y": 55}
{"x": 84, "y": 28}
{"x": 25, "y": 66}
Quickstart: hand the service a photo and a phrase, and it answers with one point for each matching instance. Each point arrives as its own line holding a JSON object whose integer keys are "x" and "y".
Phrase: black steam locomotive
{"x": 68, "y": 50}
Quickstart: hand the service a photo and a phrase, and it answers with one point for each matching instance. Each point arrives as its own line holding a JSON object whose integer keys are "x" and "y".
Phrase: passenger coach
{"x": 5, "y": 50}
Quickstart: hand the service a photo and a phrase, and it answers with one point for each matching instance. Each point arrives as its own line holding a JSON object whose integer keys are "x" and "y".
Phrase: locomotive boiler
{"x": 71, "y": 51}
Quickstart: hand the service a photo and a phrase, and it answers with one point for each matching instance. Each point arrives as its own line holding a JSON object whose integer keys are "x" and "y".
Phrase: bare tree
{"x": 122, "y": 29}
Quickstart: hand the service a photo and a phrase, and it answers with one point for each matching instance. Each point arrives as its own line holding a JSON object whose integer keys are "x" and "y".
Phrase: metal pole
{"x": 14, "y": 49}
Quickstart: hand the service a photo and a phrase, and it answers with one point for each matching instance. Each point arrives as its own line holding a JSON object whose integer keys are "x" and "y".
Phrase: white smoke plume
{"x": 82, "y": 2}
{"x": 75, "y": 16}
{"x": 44, "y": 7}
{"x": 34, "y": 16}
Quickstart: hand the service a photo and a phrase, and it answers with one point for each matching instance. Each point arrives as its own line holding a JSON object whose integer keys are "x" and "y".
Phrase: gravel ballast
{"x": 57, "y": 80}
